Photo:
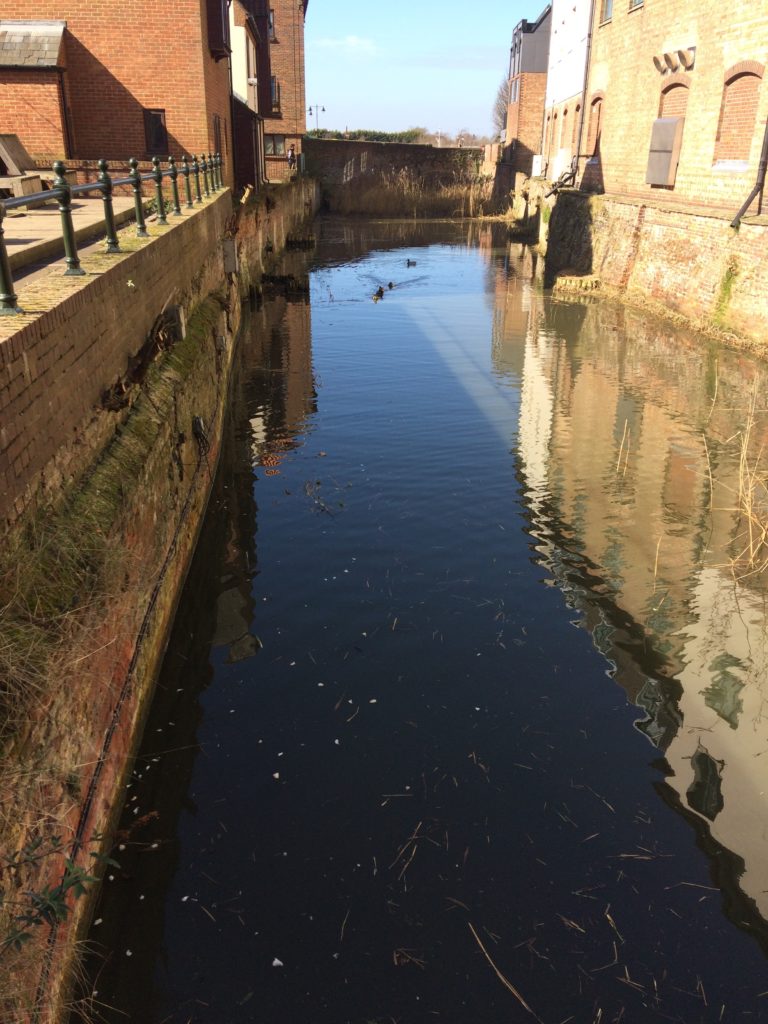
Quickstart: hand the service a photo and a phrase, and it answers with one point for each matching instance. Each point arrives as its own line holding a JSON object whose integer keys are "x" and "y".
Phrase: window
{"x": 274, "y": 93}
{"x": 271, "y": 23}
{"x": 576, "y": 118}
{"x": 606, "y": 10}
{"x": 155, "y": 133}
{"x": 514, "y": 92}
{"x": 274, "y": 145}
{"x": 738, "y": 111}
{"x": 633, "y": 4}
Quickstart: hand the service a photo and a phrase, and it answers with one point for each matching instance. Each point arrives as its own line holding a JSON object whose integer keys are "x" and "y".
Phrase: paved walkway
{"x": 33, "y": 237}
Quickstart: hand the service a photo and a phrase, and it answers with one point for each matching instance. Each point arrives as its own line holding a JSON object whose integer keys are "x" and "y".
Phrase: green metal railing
{"x": 207, "y": 169}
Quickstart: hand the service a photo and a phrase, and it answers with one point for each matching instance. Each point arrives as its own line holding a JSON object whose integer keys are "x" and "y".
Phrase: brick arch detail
{"x": 676, "y": 78}
{"x": 744, "y": 67}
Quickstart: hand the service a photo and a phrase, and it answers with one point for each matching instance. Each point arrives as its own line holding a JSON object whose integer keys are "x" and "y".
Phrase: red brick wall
{"x": 737, "y": 115}
{"x": 31, "y": 109}
{"x": 674, "y": 101}
{"x": 123, "y": 57}
{"x": 525, "y": 119}
{"x": 622, "y": 67}
{"x": 287, "y": 60}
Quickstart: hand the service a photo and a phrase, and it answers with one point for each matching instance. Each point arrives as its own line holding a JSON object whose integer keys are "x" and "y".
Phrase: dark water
{"x": 462, "y": 717}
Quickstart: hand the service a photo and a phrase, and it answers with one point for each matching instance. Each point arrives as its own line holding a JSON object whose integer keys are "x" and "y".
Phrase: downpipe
{"x": 759, "y": 183}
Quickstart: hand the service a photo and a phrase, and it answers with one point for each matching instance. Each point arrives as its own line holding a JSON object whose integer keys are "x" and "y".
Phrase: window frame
{"x": 274, "y": 144}
{"x": 606, "y": 11}
{"x": 155, "y": 122}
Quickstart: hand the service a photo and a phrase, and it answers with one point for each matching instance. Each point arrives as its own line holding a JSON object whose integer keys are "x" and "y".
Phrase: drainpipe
{"x": 68, "y": 144}
{"x": 575, "y": 159}
{"x": 759, "y": 183}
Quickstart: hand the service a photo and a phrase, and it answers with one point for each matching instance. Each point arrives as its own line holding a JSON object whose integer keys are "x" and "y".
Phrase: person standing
{"x": 291, "y": 157}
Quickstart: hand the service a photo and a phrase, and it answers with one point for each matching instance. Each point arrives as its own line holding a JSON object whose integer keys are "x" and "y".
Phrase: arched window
{"x": 576, "y": 119}
{"x": 554, "y": 139}
{"x": 738, "y": 111}
{"x": 674, "y": 100}
{"x": 548, "y": 133}
{"x": 564, "y": 137}
{"x": 595, "y": 126}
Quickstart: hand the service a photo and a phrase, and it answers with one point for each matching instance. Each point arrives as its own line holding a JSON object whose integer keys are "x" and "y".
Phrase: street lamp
{"x": 318, "y": 110}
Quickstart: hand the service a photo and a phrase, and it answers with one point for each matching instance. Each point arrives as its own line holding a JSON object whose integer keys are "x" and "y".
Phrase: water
{"x": 462, "y": 717}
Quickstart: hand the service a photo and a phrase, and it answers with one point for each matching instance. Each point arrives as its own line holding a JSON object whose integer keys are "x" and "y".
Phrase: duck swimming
{"x": 410, "y": 263}
{"x": 379, "y": 293}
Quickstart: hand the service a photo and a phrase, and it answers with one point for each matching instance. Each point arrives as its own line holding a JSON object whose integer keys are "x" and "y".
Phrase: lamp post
{"x": 317, "y": 110}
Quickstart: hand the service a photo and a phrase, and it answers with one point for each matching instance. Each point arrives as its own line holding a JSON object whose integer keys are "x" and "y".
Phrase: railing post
{"x": 138, "y": 199}
{"x": 214, "y": 174}
{"x": 196, "y": 172}
{"x": 219, "y": 178}
{"x": 173, "y": 173}
{"x": 61, "y": 186}
{"x": 158, "y": 175}
{"x": 7, "y": 294}
{"x": 109, "y": 214}
{"x": 187, "y": 182}
{"x": 204, "y": 169}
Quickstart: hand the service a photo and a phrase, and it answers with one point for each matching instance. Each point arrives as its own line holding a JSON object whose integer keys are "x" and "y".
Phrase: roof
{"x": 31, "y": 44}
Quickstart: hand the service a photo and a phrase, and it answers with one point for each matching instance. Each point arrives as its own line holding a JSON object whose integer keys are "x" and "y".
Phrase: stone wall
{"x": 689, "y": 262}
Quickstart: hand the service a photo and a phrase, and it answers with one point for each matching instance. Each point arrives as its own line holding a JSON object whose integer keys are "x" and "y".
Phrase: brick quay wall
{"x": 685, "y": 261}
{"x": 114, "y": 390}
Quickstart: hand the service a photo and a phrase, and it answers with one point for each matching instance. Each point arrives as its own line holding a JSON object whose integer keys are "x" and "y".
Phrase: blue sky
{"x": 434, "y": 63}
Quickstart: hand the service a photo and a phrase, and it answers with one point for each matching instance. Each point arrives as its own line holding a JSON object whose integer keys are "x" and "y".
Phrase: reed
{"x": 405, "y": 193}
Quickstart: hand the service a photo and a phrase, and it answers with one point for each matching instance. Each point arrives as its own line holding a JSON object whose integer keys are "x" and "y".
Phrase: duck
{"x": 390, "y": 286}
{"x": 379, "y": 293}
{"x": 410, "y": 263}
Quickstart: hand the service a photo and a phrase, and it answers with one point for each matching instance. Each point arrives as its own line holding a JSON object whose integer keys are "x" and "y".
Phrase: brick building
{"x": 677, "y": 100}
{"x": 566, "y": 80}
{"x": 250, "y": 62}
{"x": 527, "y": 87}
{"x": 285, "y": 121}
{"x": 83, "y": 80}
{"x": 127, "y": 80}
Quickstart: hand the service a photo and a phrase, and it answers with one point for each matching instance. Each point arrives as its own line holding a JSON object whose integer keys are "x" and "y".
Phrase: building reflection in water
{"x": 275, "y": 401}
{"x": 629, "y": 452}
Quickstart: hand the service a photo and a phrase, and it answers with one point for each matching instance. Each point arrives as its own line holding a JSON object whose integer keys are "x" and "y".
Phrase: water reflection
{"x": 376, "y": 725}
{"x": 629, "y": 450}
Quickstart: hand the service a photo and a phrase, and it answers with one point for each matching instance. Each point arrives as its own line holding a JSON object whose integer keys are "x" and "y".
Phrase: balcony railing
{"x": 201, "y": 178}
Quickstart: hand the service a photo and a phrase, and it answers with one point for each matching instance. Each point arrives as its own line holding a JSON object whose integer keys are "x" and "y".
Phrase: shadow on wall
{"x": 108, "y": 122}
{"x": 569, "y": 246}
{"x": 592, "y": 176}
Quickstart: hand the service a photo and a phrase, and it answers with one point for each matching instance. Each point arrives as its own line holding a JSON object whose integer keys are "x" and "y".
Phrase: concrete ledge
{"x": 51, "y": 248}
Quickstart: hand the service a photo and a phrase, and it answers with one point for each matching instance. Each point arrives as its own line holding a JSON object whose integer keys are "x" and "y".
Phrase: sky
{"x": 429, "y": 63}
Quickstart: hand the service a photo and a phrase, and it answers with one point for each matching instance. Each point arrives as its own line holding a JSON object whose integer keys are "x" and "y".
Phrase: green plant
{"x": 726, "y": 288}
{"x": 50, "y": 903}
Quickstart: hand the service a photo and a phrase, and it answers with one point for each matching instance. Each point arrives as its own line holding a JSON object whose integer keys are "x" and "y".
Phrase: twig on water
{"x": 505, "y": 981}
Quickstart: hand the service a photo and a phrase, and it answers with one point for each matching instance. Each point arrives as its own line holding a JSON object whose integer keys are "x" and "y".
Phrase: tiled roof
{"x": 31, "y": 44}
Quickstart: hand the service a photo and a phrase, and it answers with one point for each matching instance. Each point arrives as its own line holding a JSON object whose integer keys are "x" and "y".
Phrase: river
{"x": 462, "y": 717}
